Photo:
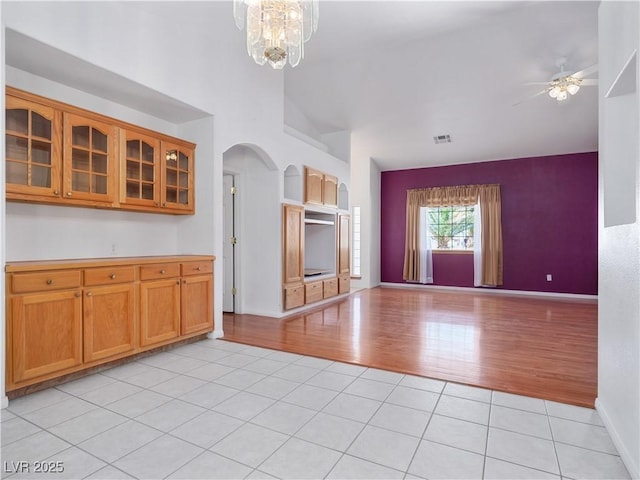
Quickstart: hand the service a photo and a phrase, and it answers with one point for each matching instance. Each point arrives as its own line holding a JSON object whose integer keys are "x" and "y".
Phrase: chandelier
{"x": 561, "y": 88}
{"x": 276, "y": 29}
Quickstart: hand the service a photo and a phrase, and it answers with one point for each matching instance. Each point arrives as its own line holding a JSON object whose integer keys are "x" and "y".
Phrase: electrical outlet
{"x": 549, "y": 277}
{"x": 114, "y": 248}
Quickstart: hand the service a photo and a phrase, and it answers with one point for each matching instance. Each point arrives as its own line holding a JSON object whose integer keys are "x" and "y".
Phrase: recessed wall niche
{"x": 292, "y": 184}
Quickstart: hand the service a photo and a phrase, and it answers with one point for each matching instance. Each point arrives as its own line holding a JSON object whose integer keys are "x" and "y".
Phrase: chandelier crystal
{"x": 562, "y": 87}
{"x": 276, "y": 29}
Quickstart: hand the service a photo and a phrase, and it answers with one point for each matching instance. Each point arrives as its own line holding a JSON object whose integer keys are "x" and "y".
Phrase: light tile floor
{"x": 216, "y": 409}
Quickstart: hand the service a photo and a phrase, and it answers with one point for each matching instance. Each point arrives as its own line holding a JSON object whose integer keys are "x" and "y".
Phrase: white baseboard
{"x": 215, "y": 334}
{"x": 627, "y": 458}
{"x": 492, "y": 291}
{"x": 5, "y": 402}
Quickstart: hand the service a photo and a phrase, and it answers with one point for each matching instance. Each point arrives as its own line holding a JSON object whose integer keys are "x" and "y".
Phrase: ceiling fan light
{"x": 562, "y": 95}
{"x": 573, "y": 88}
{"x": 553, "y": 93}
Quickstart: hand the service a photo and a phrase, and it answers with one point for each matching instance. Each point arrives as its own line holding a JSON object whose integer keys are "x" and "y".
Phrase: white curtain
{"x": 477, "y": 246}
{"x": 426, "y": 253}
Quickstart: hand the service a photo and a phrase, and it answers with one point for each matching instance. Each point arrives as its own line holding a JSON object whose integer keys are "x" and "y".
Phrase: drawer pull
{"x": 197, "y": 268}
{"x": 78, "y": 294}
{"x": 112, "y": 276}
{"x": 162, "y": 272}
{"x": 49, "y": 282}
{"x": 89, "y": 294}
{"x": 69, "y": 194}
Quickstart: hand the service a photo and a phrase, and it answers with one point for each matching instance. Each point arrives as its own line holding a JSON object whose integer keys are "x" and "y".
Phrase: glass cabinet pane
{"x": 133, "y": 190}
{"x": 41, "y": 152}
{"x": 79, "y": 159}
{"x": 98, "y": 140}
{"x": 17, "y": 148}
{"x": 172, "y": 177}
{"x": 184, "y": 180}
{"x": 80, "y": 182}
{"x": 183, "y": 197}
{"x": 40, "y": 176}
{"x": 99, "y": 184}
{"x": 80, "y": 136}
{"x": 133, "y": 149}
{"x": 148, "y": 173}
{"x": 147, "y": 191}
{"x": 40, "y": 126}
{"x": 99, "y": 163}
{"x": 17, "y": 173}
{"x": 133, "y": 170}
{"x": 184, "y": 162}
{"x": 17, "y": 120}
{"x": 147, "y": 153}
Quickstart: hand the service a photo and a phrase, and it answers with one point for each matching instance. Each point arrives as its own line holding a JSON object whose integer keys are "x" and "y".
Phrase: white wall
{"x": 258, "y": 251}
{"x": 191, "y": 52}
{"x": 619, "y": 236}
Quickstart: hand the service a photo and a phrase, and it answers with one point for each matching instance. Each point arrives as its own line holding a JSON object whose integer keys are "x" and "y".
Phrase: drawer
{"x": 293, "y": 297}
{"x": 109, "y": 275}
{"x": 197, "y": 268}
{"x": 313, "y": 292}
{"x": 330, "y": 288}
{"x": 344, "y": 283}
{"x": 45, "y": 281}
{"x": 159, "y": 270}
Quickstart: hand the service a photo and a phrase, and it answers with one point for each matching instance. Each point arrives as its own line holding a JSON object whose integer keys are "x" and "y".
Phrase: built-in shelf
{"x": 317, "y": 221}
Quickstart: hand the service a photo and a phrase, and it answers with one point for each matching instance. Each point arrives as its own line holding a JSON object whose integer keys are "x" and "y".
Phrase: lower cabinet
{"x": 109, "y": 321}
{"x": 159, "y": 311}
{"x": 45, "y": 333}
{"x": 65, "y": 316}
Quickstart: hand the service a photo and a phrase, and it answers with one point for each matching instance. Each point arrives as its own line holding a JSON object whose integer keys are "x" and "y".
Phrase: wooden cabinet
{"x": 32, "y": 149}
{"x": 330, "y": 288}
{"x": 293, "y": 244}
{"x": 344, "y": 243}
{"x": 139, "y": 169}
{"x": 45, "y": 333}
{"x": 65, "y": 316}
{"x": 60, "y": 154}
{"x": 293, "y": 296}
{"x": 177, "y": 176}
{"x": 89, "y": 160}
{"x": 313, "y": 292}
{"x": 320, "y": 188}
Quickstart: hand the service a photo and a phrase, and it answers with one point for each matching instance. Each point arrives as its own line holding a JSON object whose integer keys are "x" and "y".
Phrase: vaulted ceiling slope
{"x": 395, "y": 74}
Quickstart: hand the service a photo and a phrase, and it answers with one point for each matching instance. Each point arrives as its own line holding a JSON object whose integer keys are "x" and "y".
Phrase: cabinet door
{"x": 46, "y": 333}
{"x": 293, "y": 243}
{"x": 159, "y": 311}
{"x": 330, "y": 191}
{"x": 109, "y": 321}
{"x": 313, "y": 186}
{"x": 139, "y": 169}
{"x": 177, "y": 177}
{"x": 32, "y": 153}
{"x": 196, "y": 297}
{"x": 344, "y": 249}
{"x": 90, "y": 168}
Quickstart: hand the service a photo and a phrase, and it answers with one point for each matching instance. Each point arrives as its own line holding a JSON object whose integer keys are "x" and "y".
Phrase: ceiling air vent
{"x": 442, "y": 139}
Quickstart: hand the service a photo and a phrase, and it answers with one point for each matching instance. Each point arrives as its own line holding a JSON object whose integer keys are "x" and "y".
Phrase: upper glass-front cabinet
{"x": 32, "y": 148}
{"x": 140, "y": 169}
{"x": 59, "y": 154}
{"x": 89, "y": 159}
{"x": 177, "y": 177}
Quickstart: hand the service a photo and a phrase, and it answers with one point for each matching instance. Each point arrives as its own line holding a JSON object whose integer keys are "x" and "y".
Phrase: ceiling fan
{"x": 565, "y": 84}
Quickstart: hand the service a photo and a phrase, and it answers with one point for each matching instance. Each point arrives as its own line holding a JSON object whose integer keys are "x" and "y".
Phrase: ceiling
{"x": 395, "y": 74}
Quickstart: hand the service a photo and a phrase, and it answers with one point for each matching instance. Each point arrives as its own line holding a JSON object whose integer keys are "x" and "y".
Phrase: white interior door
{"x": 228, "y": 250}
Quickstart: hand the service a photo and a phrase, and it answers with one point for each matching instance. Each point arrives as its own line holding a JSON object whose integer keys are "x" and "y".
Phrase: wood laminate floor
{"x": 538, "y": 347}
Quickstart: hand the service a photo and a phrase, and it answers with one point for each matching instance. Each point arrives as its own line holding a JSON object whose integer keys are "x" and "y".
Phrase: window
{"x": 355, "y": 248}
{"x": 451, "y": 228}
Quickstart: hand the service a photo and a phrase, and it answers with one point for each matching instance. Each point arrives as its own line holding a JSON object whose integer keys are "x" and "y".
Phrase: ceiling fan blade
{"x": 541, "y": 92}
{"x": 589, "y": 82}
{"x": 586, "y": 72}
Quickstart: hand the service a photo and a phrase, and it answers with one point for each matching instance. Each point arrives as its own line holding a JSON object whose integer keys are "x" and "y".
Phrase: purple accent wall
{"x": 549, "y": 221}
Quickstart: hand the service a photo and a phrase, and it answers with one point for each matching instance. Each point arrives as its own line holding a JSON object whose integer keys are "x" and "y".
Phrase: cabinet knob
{"x": 178, "y": 282}
{"x": 56, "y": 192}
{"x": 112, "y": 276}
{"x": 78, "y": 294}
{"x": 89, "y": 294}
{"x": 162, "y": 272}
{"x": 49, "y": 282}
{"x": 197, "y": 268}
{"x": 69, "y": 194}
